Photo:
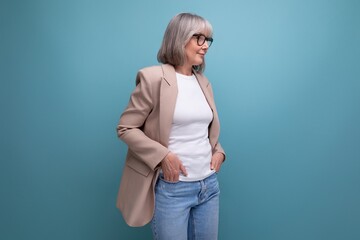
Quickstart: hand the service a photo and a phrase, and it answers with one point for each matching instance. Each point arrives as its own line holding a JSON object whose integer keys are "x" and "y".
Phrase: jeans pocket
{"x": 161, "y": 177}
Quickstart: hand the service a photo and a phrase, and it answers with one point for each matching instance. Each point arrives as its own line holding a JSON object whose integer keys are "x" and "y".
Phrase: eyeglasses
{"x": 201, "y": 38}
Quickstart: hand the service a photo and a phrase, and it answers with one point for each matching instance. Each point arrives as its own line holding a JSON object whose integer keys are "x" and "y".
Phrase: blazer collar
{"x": 169, "y": 74}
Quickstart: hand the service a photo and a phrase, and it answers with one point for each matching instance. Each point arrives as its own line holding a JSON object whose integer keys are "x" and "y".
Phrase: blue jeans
{"x": 186, "y": 210}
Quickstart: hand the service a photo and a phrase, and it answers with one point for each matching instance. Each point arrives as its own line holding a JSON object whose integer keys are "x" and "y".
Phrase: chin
{"x": 200, "y": 61}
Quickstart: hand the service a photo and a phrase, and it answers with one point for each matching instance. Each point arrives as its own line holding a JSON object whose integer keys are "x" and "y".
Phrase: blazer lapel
{"x": 204, "y": 84}
{"x": 168, "y": 95}
{"x": 214, "y": 126}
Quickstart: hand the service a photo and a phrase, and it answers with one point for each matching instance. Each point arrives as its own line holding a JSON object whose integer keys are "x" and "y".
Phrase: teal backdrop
{"x": 286, "y": 76}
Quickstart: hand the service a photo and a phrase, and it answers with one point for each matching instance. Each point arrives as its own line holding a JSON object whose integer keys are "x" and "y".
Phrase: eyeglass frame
{"x": 209, "y": 40}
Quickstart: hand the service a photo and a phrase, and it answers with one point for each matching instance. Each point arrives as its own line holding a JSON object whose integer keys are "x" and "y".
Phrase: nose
{"x": 205, "y": 45}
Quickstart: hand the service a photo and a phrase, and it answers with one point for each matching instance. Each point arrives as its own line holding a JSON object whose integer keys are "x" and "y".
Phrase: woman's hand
{"x": 216, "y": 160}
{"x": 172, "y": 167}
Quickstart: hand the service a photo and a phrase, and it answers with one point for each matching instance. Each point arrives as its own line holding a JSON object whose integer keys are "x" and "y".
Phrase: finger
{"x": 174, "y": 179}
{"x": 169, "y": 178}
{"x": 212, "y": 164}
{"x": 217, "y": 169}
{"x": 183, "y": 170}
{"x": 215, "y": 165}
{"x": 218, "y": 165}
{"x": 173, "y": 175}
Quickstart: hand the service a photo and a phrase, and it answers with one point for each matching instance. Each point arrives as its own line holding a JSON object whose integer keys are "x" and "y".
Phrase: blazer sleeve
{"x": 132, "y": 120}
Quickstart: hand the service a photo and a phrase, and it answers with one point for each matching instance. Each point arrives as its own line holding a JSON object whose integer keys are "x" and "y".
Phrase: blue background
{"x": 286, "y": 76}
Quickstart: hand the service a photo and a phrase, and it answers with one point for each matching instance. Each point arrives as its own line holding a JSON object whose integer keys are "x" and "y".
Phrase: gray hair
{"x": 177, "y": 34}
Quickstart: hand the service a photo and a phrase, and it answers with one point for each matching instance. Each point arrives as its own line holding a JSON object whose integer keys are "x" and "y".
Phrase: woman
{"x": 171, "y": 127}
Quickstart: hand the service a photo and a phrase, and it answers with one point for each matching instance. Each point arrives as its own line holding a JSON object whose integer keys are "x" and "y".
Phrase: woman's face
{"x": 195, "y": 54}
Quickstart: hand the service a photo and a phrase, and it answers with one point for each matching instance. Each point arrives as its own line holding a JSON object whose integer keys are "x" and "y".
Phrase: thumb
{"x": 212, "y": 165}
{"x": 183, "y": 170}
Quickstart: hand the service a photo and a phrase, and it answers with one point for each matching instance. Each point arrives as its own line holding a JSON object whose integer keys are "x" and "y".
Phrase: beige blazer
{"x": 145, "y": 127}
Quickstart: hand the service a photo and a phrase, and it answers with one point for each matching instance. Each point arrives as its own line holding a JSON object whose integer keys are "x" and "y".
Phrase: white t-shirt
{"x": 189, "y": 133}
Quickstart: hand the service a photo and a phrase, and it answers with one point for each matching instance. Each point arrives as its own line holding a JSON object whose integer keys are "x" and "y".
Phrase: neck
{"x": 185, "y": 70}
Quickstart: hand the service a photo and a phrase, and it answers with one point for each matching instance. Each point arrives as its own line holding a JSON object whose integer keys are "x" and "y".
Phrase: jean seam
{"x": 154, "y": 228}
{"x": 193, "y": 227}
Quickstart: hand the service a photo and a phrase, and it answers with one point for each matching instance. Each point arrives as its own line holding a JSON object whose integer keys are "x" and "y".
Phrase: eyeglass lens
{"x": 201, "y": 40}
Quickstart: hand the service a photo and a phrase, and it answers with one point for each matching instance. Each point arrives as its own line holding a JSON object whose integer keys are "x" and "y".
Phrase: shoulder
{"x": 151, "y": 71}
{"x": 149, "y": 74}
